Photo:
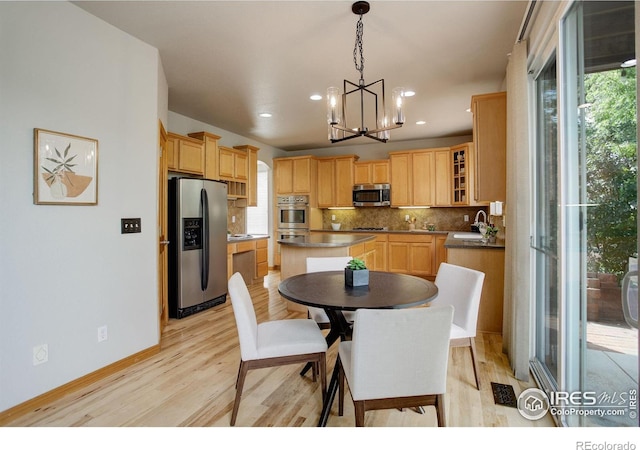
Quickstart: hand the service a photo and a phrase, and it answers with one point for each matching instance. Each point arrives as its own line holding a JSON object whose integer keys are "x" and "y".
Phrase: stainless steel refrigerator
{"x": 197, "y": 245}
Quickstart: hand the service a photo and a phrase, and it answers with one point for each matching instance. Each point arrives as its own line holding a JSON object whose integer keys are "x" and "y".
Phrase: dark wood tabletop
{"x": 385, "y": 290}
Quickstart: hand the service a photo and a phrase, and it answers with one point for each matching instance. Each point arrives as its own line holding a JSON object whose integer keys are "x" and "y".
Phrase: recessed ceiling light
{"x": 420, "y": 122}
{"x": 265, "y": 114}
{"x": 409, "y": 93}
{"x": 628, "y": 63}
{"x": 316, "y": 97}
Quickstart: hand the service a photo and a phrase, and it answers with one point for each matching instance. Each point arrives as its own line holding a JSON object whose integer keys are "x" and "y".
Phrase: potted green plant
{"x": 356, "y": 273}
{"x": 491, "y": 232}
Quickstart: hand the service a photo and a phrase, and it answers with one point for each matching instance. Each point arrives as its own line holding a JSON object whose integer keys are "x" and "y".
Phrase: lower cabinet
{"x": 412, "y": 254}
{"x": 250, "y": 258}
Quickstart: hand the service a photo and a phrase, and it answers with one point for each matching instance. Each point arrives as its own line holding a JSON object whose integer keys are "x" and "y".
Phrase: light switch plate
{"x": 130, "y": 226}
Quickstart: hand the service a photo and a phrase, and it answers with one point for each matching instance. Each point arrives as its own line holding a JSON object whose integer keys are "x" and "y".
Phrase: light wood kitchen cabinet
{"x": 335, "y": 181}
{"x": 295, "y": 175}
{"x": 413, "y": 254}
{"x": 442, "y": 177}
{"x": 185, "y": 154}
{"x": 463, "y": 174}
{"x": 491, "y": 262}
{"x": 421, "y": 177}
{"x": 440, "y": 253}
{"x": 262, "y": 262}
{"x": 371, "y": 172}
{"x": 401, "y": 190}
{"x": 234, "y": 164}
{"x": 490, "y": 140}
{"x": 257, "y": 251}
{"x": 252, "y": 178}
{"x": 211, "y": 156}
{"x": 380, "y": 255}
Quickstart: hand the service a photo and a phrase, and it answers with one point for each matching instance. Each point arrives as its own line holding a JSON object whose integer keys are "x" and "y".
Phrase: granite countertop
{"x": 334, "y": 239}
{"x": 452, "y": 242}
{"x": 416, "y": 231}
{"x": 245, "y": 237}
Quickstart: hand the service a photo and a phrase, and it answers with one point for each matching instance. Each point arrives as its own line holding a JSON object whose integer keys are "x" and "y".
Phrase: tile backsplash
{"x": 444, "y": 219}
{"x": 240, "y": 213}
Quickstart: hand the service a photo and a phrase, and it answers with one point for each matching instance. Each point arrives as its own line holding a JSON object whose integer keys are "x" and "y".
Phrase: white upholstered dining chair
{"x": 326, "y": 264}
{"x": 273, "y": 343}
{"x": 397, "y": 358}
{"x": 461, "y": 287}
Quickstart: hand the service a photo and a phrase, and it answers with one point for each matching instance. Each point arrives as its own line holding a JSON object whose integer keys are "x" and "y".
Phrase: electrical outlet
{"x": 102, "y": 333}
{"x": 40, "y": 354}
{"x": 406, "y": 218}
{"x": 130, "y": 226}
{"x": 233, "y": 219}
{"x": 466, "y": 217}
{"x": 333, "y": 217}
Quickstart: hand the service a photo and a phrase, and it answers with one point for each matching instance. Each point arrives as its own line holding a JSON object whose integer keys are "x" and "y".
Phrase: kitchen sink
{"x": 467, "y": 236}
{"x": 236, "y": 237}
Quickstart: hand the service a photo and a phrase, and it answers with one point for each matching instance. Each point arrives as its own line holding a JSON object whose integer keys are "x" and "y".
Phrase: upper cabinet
{"x": 295, "y": 175}
{"x": 371, "y": 172}
{"x": 490, "y": 140}
{"x": 234, "y": 164}
{"x": 185, "y": 154}
{"x": 463, "y": 172}
{"x": 335, "y": 181}
{"x": 211, "y": 156}
{"x": 421, "y": 177}
{"x": 252, "y": 179}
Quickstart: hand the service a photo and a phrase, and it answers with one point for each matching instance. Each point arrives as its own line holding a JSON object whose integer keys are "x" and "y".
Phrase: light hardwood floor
{"x": 191, "y": 383}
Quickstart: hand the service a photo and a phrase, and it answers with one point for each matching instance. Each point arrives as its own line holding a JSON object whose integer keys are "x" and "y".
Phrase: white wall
{"x": 66, "y": 270}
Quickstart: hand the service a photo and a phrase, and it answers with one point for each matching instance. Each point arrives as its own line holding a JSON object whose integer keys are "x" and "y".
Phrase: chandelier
{"x": 365, "y": 96}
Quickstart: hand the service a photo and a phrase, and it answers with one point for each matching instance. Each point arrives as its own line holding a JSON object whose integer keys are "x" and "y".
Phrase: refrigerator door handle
{"x": 204, "y": 254}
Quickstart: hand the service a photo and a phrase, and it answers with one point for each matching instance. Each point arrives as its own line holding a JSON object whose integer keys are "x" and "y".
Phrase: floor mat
{"x": 503, "y": 394}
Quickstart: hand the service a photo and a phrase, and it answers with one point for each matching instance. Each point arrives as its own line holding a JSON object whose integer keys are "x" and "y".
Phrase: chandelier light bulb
{"x": 333, "y": 112}
{"x": 397, "y": 96}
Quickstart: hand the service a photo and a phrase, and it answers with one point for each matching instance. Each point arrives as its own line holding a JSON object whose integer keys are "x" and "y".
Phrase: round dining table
{"x": 327, "y": 290}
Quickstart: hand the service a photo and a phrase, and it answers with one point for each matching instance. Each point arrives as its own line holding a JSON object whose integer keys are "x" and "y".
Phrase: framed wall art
{"x": 65, "y": 169}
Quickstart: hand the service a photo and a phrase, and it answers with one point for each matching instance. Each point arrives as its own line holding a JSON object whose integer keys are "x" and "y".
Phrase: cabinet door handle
{"x": 164, "y": 242}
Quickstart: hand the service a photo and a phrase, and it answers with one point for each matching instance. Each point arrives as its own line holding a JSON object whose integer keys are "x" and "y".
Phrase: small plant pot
{"x": 492, "y": 239}
{"x": 356, "y": 277}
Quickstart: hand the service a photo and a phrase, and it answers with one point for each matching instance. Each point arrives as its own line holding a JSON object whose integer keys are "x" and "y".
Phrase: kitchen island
{"x": 487, "y": 258}
{"x": 294, "y": 252}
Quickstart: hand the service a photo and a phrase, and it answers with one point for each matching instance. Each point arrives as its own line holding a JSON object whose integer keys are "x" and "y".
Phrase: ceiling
{"x": 228, "y": 61}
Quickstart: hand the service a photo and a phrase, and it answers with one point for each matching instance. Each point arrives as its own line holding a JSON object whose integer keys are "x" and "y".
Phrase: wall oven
{"x": 291, "y": 233}
{"x": 293, "y": 212}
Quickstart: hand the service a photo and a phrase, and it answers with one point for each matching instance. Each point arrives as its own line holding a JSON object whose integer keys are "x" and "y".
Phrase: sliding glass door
{"x": 585, "y": 232}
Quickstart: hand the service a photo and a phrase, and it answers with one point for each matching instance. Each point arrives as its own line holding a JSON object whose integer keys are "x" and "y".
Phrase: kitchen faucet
{"x": 478, "y": 216}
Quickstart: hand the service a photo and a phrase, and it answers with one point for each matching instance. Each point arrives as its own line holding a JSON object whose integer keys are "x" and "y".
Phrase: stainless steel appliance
{"x": 292, "y": 233}
{"x": 293, "y": 212}
{"x": 197, "y": 245}
{"x": 372, "y": 195}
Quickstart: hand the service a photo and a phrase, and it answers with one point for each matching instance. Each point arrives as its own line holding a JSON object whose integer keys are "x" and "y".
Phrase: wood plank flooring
{"x": 190, "y": 383}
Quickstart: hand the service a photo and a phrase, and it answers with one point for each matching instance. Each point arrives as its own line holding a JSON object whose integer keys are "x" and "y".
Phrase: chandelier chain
{"x": 358, "y": 49}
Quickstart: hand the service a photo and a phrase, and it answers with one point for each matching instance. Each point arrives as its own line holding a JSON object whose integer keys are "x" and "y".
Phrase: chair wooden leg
{"x": 440, "y": 411}
{"x": 359, "y": 407}
{"x": 242, "y": 373}
{"x": 314, "y": 372}
{"x": 474, "y": 360}
{"x": 322, "y": 367}
{"x": 340, "y": 388}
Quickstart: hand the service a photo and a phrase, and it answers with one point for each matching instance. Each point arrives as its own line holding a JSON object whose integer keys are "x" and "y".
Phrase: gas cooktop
{"x": 370, "y": 229}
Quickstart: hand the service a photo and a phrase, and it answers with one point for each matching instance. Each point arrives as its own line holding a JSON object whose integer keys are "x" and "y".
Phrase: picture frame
{"x": 65, "y": 169}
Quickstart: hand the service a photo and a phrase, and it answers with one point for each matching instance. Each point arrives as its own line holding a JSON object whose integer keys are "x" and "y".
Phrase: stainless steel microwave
{"x": 372, "y": 195}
